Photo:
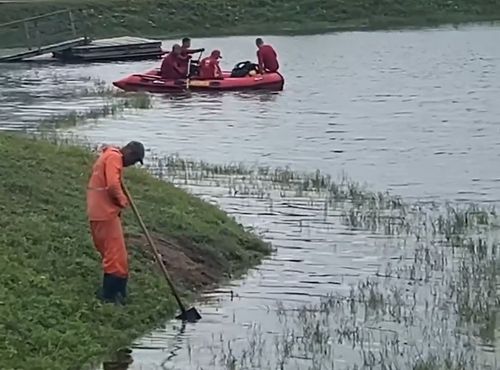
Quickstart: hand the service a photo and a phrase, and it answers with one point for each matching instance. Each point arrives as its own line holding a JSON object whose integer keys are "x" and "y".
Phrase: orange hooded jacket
{"x": 105, "y": 196}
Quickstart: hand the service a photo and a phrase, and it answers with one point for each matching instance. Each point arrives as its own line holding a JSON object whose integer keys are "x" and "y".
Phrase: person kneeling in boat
{"x": 267, "y": 57}
{"x": 171, "y": 66}
{"x": 209, "y": 67}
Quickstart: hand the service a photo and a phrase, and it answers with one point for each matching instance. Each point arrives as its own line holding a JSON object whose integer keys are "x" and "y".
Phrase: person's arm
{"x": 218, "y": 70}
{"x": 178, "y": 69}
{"x": 163, "y": 68}
{"x": 260, "y": 61}
{"x": 113, "y": 180}
{"x": 194, "y": 51}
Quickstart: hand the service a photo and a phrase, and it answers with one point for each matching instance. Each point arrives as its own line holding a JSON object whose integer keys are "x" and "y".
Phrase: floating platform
{"x": 118, "y": 48}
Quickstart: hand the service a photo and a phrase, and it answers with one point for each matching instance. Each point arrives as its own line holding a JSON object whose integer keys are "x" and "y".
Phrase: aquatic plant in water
{"x": 112, "y": 102}
{"x": 432, "y": 309}
{"x": 383, "y": 325}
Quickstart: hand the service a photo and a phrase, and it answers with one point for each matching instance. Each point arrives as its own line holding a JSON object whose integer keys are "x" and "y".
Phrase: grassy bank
{"x": 49, "y": 316}
{"x": 222, "y": 17}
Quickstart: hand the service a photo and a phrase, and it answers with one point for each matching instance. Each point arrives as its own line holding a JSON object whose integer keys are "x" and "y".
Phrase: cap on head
{"x": 216, "y": 54}
{"x": 134, "y": 152}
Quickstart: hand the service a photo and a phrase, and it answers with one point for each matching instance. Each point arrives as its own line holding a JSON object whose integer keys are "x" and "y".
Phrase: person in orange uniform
{"x": 209, "y": 67}
{"x": 105, "y": 201}
{"x": 267, "y": 57}
{"x": 171, "y": 66}
{"x": 186, "y": 47}
{"x": 186, "y": 52}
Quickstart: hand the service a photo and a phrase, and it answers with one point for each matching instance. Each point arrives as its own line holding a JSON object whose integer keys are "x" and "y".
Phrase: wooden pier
{"x": 25, "y": 54}
{"x": 118, "y": 48}
{"x": 57, "y": 36}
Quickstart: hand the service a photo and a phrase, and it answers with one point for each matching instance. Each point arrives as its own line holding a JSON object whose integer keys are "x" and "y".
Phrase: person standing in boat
{"x": 171, "y": 66}
{"x": 267, "y": 57}
{"x": 186, "y": 47}
{"x": 210, "y": 68}
{"x": 186, "y": 52}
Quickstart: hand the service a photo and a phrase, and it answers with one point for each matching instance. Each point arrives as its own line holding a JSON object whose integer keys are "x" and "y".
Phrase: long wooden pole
{"x": 153, "y": 247}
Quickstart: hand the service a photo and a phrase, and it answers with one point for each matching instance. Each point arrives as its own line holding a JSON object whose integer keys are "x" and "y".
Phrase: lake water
{"x": 412, "y": 112}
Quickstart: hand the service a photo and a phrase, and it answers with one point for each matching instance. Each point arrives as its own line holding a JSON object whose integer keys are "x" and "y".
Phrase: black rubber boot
{"x": 114, "y": 290}
{"x": 103, "y": 288}
{"x": 122, "y": 291}
{"x": 109, "y": 288}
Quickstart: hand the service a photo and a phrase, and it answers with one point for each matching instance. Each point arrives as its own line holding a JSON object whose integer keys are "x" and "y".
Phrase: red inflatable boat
{"x": 151, "y": 81}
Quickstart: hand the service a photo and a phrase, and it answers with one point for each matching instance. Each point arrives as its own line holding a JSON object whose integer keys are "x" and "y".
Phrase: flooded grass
{"x": 360, "y": 207}
{"x": 382, "y": 325}
{"x": 434, "y": 307}
{"x": 114, "y": 102}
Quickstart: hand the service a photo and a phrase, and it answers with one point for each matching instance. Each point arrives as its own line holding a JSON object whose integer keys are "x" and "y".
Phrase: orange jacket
{"x": 209, "y": 68}
{"x": 105, "y": 196}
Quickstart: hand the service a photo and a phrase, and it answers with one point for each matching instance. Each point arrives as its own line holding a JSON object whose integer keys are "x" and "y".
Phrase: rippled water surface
{"x": 413, "y": 112}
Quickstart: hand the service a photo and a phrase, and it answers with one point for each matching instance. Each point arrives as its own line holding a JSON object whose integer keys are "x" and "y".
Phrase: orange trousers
{"x": 110, "y": 243}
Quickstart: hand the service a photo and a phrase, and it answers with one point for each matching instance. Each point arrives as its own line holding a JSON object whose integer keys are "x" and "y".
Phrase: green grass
{"x": 177, "y": 18}
{"x": 49, "y": 316}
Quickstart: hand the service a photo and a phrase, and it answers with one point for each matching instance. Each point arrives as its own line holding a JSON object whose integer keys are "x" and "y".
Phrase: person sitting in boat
{"x": 210, "y": 68}
{"x": 186, "y": 52}
{"x": 171, "y": 65}
{"x": 267, "y": 57}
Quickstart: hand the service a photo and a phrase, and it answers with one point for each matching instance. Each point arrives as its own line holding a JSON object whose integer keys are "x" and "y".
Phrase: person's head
{"x": 259, "y": 42}
{"x": 176, "y": 49}
{"x": 132, "y": 153}
{"x": 216, "y": 54}
{"x": 186, "y": 42}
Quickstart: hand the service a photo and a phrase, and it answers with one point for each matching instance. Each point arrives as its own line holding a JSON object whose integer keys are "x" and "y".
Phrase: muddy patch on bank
{"x": 187, "y": 267}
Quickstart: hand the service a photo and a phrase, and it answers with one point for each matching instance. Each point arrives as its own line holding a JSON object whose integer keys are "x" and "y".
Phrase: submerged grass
{"x": 396, "y": 323}
{"x": 360, "y": 207}
{"x": 114, "y": 102}
{"x": 49, "y": 317}
{"x": 218, "y": 17}
{"x": 434, "y": 307}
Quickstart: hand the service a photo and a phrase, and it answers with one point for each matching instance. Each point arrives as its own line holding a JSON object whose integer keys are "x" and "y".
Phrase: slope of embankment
{"x": 226, "y": 17}
{"x": 49, "y": 316}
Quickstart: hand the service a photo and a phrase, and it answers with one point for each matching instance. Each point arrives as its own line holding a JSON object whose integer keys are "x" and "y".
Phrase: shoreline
{"x": 312, "y": 30}
{"x": 164, "y": 20}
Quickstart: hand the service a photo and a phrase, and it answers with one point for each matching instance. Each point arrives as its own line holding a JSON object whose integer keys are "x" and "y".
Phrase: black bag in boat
{"x": 242, "y": 69}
